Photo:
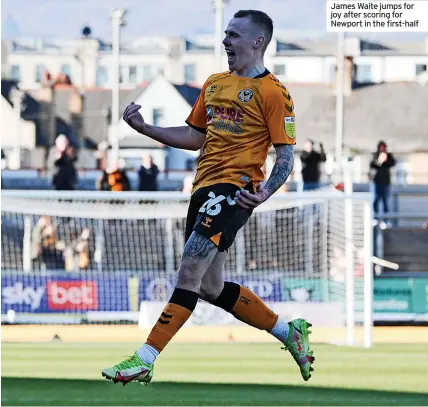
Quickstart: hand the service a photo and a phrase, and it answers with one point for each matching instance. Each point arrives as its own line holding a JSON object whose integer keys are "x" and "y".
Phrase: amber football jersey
{"x": 242, "y": 118}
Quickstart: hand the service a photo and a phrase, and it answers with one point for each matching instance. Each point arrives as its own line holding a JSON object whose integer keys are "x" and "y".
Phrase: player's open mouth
{"x": 230, "y": 55}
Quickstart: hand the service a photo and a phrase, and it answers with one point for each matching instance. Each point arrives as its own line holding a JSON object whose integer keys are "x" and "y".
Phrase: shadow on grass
{"x": 66, "y": 392}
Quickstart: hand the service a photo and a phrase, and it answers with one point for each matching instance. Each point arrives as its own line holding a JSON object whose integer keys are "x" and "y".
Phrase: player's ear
{"x": 258, "y": 43}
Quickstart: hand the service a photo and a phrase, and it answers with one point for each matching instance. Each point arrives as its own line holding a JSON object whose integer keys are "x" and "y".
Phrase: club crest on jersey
{"x": 290, "y": 126}
{"x": 245, "y": 95}
{"x": 211, "y": 89}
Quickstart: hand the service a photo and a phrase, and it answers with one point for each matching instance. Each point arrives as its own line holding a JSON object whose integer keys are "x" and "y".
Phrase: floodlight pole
{"x": 340, "y": 83}
{"x": 17, "y": 100}
{"x": 219, "y": 7}
{"x": 117, "y": 19}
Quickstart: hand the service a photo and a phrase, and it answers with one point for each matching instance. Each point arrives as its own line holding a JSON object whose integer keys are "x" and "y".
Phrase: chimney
{"x": 350, "y": 71}
{"x": 75, "y": 107}
{"x": 352, "y": 49}
{"x": 349, "y": 76}
{"x": 47, "y": 121}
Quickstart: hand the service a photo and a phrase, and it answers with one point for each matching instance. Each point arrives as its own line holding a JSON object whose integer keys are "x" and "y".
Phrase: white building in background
{"x": 163, "y": 104}
{"x": 16, "y": 134}
{"x": 88, "y": 61}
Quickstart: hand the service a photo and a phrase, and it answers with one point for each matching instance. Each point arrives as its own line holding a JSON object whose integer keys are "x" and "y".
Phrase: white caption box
{"x": 377, "y": 16}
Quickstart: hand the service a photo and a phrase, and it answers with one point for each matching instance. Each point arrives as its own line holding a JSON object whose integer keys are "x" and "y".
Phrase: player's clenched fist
{"x": 133, "y": 117}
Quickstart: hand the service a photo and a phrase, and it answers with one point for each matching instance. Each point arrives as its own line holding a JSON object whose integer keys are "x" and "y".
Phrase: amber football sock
{"x": 173, "y": 317}
{"x": 246, "y": 306}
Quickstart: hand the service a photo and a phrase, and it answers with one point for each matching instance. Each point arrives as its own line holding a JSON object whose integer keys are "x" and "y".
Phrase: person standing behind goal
{"x": 238, "y": 115}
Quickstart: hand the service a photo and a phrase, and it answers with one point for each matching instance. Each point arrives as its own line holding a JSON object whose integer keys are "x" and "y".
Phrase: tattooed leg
{"x": 198, "y": 254}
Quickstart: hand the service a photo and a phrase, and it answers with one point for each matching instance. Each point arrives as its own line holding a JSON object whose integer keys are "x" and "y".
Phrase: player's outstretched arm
{"x": 184, "y": 137}
{"x": 280, "y": 172}
{"x": 282, "y": 169}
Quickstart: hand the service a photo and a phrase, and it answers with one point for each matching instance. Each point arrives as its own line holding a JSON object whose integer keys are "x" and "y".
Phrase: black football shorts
{"x": 214, "y": 214}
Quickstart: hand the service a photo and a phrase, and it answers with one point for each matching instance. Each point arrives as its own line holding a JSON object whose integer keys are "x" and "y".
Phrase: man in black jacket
{"x": 148, "y": 174}
{"x": 381, "y": 163}
{"x": 311, "y": 161}
{"x": 65, "y": 177}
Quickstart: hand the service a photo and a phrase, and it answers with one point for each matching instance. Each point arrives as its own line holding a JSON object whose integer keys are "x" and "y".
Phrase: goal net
{"x": 94, "y": 257}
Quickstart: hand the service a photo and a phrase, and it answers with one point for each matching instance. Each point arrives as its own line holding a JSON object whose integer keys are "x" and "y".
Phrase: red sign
{"x": 72, "y": 295}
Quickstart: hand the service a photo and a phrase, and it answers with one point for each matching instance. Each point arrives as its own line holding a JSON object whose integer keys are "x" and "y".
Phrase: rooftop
{"x": 282, "y": 44}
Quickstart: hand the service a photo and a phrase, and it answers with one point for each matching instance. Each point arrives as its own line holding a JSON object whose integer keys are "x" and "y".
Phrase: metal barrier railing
{"x": 380, "y": 224}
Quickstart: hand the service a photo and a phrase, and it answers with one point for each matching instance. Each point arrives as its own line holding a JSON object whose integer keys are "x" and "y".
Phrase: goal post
{"x": 88, "y": 256}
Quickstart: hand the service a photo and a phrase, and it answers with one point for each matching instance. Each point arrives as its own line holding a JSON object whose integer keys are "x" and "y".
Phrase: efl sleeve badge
{"x": 290, "y": 126}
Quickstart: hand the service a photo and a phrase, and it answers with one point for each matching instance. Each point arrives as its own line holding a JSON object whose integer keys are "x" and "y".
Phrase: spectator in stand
{"x": 381, "y": 164}
{"x": 148, "y": 174}
{"x": 114, "y": 180}
{"x": 65, "y": 177}
{"x": 311, "y": 161}
{"x": 76, "y": 251}
{"x": 44, "y": 244}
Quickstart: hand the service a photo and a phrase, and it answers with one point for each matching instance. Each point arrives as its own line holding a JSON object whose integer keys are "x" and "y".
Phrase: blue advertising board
{"x": 31, "y": 293}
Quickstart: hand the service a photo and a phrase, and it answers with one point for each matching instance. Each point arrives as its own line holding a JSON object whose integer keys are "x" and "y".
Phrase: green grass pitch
{"x": 63, "y": 374}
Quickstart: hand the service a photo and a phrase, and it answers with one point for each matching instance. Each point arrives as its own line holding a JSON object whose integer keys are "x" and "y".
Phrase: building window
{"x": 102, "y": 76}
{"x": 133, "y": 74}
{"x": 421, "y": 68}
{"x": 157, "y": 117}
{"x": 364, "y": 74}
{"x": 147, "y": 73}
{"x": 279, "y": 70}
{"x": 15, "y": 73}
{"x": 66, "y": 69}
{"x": 40, "y": 69}
{"x": 189, "y": 73}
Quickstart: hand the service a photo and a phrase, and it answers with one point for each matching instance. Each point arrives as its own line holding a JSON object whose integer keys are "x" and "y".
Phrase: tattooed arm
{"x": 282, "y": 168}
{"x": 280, "y": 172}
